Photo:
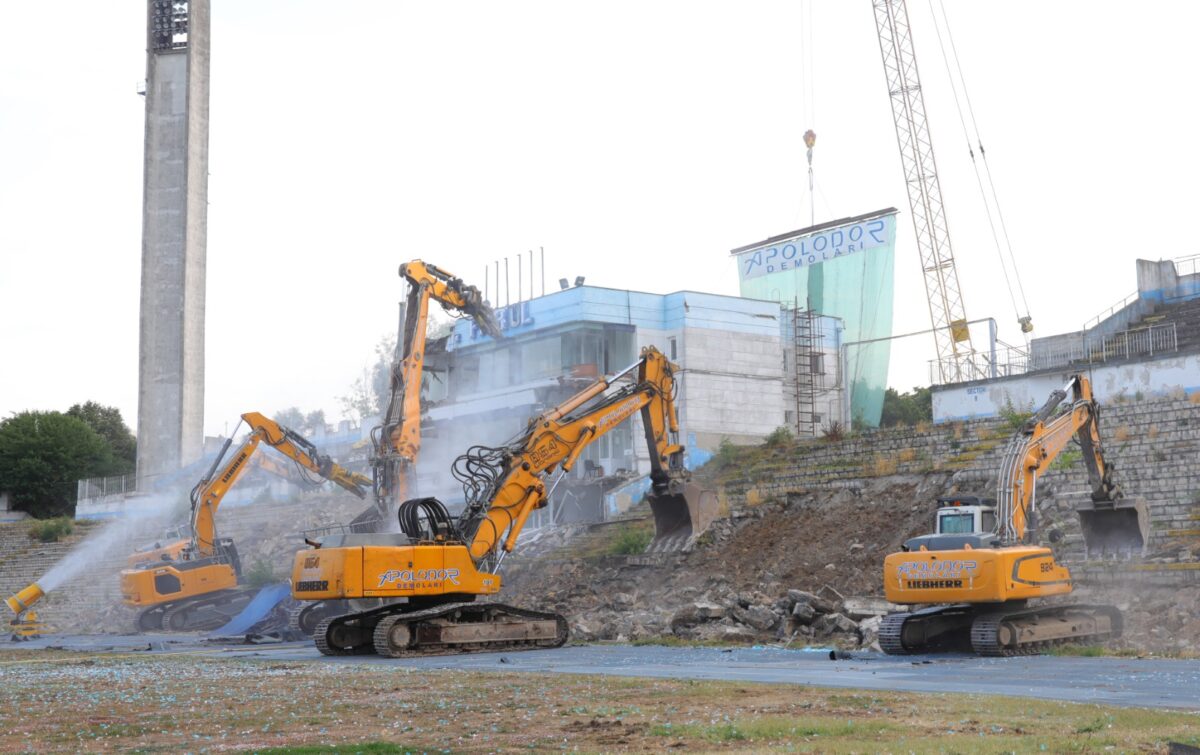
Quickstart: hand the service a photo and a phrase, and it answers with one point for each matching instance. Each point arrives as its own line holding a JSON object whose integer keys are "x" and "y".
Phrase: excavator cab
{"x": 679, "y": 512}
{"x": 1114, "y": 529}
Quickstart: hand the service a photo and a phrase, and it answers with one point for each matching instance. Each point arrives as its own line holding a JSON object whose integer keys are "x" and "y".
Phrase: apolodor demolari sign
{"x": 816, "y": 246}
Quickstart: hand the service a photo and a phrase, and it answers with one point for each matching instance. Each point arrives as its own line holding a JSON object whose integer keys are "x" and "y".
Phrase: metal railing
{"x": 1148, "y": 341}
{"x": 1131, "y": 298}
{"x": 100, "y": 487}
{"x": 1187, "y": 265}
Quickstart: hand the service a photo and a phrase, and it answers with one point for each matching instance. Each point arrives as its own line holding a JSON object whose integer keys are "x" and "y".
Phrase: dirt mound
{"x": 827, "y": 541}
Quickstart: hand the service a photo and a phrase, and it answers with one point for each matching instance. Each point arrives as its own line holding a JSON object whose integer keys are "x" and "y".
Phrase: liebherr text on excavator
{"x": 440, "y": 564}
{"x": 983, "y": 563}
{"x": 192, "y": 584}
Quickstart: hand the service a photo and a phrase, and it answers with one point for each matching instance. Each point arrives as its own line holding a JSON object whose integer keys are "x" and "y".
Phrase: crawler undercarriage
{"x": 997, "y": 630}
{"x": 404, "y": 629}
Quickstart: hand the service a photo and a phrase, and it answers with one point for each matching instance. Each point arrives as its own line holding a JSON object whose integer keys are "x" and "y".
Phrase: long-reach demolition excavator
{"x": 982, "y": 565}
{"x": 440, "y": 564}
{"x": 193, "y": 583}
{"x": 396, "y": 441}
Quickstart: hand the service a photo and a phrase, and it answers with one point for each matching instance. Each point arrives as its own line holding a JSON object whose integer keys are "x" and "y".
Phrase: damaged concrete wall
{"x": 1163, "y": 377}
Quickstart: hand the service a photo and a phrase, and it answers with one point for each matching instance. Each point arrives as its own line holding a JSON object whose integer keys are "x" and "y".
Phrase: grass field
{"x": 55, "y": 701}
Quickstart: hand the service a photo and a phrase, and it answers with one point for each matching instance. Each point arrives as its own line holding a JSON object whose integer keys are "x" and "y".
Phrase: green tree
{"x": 42, "y": 457}
{"x": 107, "y": 421}
{"x": 291, "y": 418}
{"x": 906, "y": 408}
{"x": 315, "y": 420}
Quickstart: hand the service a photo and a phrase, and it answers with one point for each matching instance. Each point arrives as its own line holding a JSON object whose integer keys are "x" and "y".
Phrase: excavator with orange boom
{"x": 192, "y": 584}
{"x": 396, "y": 441}
{"x": 980, "y": 568}
{"x": 434, "y": 570}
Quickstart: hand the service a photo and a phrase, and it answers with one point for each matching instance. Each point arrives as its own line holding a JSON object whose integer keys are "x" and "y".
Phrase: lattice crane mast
{"x": 946, "y": 308}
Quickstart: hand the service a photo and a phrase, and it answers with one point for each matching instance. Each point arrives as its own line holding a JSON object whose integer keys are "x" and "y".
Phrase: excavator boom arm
{"x": 558, "y": 438}
{"x": 401, "y": 429}
{"x": 207, "y": 496}
{"x": 1035, "y": 447}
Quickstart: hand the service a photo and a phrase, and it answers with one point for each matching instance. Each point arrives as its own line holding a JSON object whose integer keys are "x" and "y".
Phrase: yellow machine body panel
{"x": 171, "y": 550}
{"x": 388, "y": 571}
{"x": 145, "y": 587}
{"x": 974, "y": 575}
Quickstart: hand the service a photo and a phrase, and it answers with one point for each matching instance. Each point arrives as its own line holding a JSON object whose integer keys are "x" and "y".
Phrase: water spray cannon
{"x": 26, "y": 623}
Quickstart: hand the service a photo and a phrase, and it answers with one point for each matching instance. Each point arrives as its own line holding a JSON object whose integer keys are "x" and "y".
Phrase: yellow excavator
{"x": 982, "y": 565}
{"x": 439, "y": 564}
{"x": 192, "y": 584}
{"x": 177, "y": 538}
{"x": 396, "y": 442}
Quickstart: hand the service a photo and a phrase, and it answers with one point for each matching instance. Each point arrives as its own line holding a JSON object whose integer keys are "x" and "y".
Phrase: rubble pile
{"x": 790, "y": 571}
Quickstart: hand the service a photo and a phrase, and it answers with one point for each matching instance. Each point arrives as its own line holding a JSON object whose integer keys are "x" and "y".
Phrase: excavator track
{"x": 468, "y": 627}
{"x": 890, "y": 633}
{"x": 202, "y": 614}
{"x": 1032, "y": 631}
{"x": 305, "y": 617}
{"x": 149, "y": 620}
{"x": 997, "y": 633}
{"x": 332, "y": 638}
{"x": 449, "y": 628}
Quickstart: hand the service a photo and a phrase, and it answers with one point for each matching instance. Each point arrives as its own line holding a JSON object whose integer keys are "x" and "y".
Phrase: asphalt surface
{"x": 1150, "y": 683}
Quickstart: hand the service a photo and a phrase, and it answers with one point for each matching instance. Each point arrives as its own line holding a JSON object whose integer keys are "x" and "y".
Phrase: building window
{"x": 817, "y": 362}
{"x": 674, "y": 350}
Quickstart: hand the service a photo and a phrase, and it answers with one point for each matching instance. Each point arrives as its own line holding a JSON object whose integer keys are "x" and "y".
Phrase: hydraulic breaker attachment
{"x": 680, "y": 516}
{"x": 1115, "y": 529}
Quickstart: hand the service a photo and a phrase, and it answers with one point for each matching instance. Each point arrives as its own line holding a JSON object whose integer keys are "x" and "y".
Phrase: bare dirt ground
{"x": 52, "y": 701}
{"x": 827, "y": 542}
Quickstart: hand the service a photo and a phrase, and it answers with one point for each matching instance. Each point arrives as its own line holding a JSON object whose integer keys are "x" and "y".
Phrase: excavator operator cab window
{"x": 966, "y": 520}
{"x": 956, "y": 523}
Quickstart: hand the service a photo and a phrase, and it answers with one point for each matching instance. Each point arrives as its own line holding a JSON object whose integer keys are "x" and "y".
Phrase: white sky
{"x": 637, "y": 142}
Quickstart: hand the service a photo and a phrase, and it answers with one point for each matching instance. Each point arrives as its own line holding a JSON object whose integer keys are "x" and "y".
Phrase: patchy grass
{"x": 1098, "y": 651}
{"x": 631, "y": 541}
{"x": 51, "y": 530}
{"x": 1066, "y": 459}
{"x": 56, "y": 701}
{"x": 882, "y": 466}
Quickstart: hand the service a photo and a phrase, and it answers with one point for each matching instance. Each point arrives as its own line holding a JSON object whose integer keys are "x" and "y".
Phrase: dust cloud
{"x": 144, "y": 513}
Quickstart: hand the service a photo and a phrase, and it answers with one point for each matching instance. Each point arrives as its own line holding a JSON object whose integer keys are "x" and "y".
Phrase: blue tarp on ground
{"x": 257, "y": 610}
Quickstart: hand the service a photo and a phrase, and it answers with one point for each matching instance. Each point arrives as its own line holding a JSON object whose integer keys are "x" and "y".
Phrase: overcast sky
{"x": 638, "y": 142}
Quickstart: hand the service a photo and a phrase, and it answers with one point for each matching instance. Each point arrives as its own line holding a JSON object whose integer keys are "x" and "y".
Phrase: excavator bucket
{"x": 678, "y": 517}
{"x": 1115, "y": 529}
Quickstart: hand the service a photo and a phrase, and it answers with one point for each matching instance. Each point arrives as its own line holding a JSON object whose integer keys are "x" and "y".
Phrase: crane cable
{"x": 975, "y": 165}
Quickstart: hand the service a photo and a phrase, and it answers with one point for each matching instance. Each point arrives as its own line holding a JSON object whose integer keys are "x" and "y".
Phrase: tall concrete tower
{"x": 174, "y": 222}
